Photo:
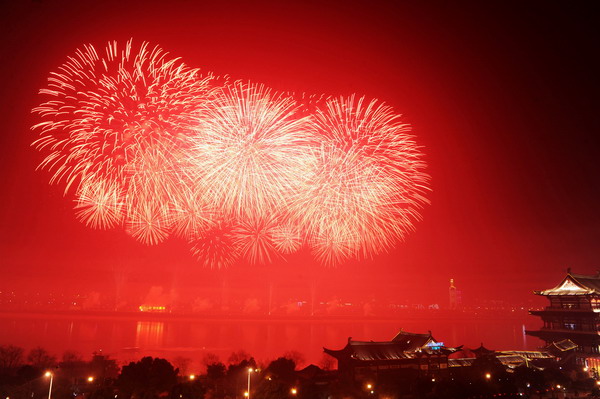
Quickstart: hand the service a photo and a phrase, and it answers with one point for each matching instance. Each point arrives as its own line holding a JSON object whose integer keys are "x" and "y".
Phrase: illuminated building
{"x": 153, "y": 308}
{"x": 453, "y": 296}
{"x": 407, "y": 353}
{"x": 573, "y": 314}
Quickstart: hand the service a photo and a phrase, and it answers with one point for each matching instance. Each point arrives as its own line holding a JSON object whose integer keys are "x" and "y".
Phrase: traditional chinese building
{"x": 410, "y": 353}
{"x": 573, "y": 314}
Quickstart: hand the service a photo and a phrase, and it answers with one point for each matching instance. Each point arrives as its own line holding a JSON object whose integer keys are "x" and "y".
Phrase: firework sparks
{"x": 369, "y": 182}
{"x": 105, "y": 110}
{"x": 100, "y": 204}
{"x": 250, "y": 153}
{"x": 286, "y": 238}
{"x": 217, "y": 247}
{"x": 237, "y": 170}
{"x": 255, "y": 239}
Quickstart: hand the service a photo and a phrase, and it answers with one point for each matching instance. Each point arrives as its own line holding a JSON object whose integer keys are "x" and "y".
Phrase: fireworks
{"x": 368, "y": 183}
{"x": 217, "y": 247}
{"x": 250, "y": 153}
{"x": 150, "y": 145}
{"x": 103, "y": 113}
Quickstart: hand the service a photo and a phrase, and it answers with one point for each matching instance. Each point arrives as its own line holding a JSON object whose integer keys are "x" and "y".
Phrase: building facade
{"x": 573, "y": 314}
{"x": 409, "y": 353}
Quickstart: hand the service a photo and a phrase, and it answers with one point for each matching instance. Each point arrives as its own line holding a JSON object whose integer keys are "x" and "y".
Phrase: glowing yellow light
{"x": 597, "y": 382}
{"x": 369, "y": 386}
{"x": 90, "y": 379}
{"x": 488, "y": 376}
{"x": 246, "y": 394}
{"x": 558, "y": 386}
{"x": 48, "y": 374}
{"x": 192, "y": 377}
{"x": 294, "y": 391}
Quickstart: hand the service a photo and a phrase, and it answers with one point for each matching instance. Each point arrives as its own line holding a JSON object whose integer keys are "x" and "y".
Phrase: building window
{"x": 569, "y": 304}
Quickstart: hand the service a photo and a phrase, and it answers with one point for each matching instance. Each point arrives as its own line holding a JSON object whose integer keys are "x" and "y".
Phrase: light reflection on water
{"x": 128, "y": 339}
{"x": 149, "y": 334}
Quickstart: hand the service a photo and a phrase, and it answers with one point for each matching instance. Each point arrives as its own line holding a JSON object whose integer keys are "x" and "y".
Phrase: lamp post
{"x": 49, "y": 374}
{"x": 249, "y": 372}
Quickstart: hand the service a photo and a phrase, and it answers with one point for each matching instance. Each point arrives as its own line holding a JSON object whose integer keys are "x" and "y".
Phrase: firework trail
{"x": 240, "y": 172}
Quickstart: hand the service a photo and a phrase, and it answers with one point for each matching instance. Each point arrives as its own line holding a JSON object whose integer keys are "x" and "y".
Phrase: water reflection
{"x": 128, "y": 339}
{"x": 149, "y": 335}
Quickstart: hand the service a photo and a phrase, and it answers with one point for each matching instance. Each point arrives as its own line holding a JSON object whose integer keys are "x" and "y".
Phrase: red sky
{"x": 503, "y": 98}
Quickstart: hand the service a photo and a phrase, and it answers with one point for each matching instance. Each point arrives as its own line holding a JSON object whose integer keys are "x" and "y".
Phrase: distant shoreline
{"x": 163, "y": 316}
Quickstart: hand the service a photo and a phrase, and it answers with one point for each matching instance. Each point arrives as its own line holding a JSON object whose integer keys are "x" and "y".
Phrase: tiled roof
{"x": 403, "y": 346}
{"x": 575, "y": 284}
{"x": 562, "y": 346}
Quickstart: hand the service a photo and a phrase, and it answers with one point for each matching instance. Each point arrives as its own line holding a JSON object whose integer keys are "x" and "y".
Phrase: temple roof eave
{"x": 574, "y": 284}
{"x": 563, "y": 293}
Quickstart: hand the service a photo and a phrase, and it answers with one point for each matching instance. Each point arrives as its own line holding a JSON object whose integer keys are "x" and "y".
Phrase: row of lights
{"x": 293, "y": 391}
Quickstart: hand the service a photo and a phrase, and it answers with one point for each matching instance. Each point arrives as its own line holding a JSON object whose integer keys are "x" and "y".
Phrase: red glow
{"x": 500, "y": 97}
{"x": 152, "y": 144}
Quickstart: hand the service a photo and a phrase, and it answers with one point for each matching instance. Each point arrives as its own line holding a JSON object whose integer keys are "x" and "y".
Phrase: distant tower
{"x": 452, "y": 294}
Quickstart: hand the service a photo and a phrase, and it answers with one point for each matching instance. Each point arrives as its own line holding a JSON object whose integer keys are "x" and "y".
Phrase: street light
{"x": 49, "y": 374}
{"x": 488, "y": 376}
{"x": 192, "y": 377}
{"x": 90, "y": 379}
{"x": 250, "y": 370}
{"x": 293, "y": 391}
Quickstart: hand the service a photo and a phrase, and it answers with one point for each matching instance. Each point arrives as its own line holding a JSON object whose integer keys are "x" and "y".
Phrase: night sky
{"x": 503, "y": 99}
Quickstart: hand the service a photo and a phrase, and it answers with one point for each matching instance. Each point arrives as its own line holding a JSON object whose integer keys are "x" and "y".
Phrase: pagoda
{"x": 573, "y": 314}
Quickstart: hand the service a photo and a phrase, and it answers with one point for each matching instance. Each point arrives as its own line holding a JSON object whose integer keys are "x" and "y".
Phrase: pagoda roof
{"x": 529, "y": 355}
{"x": 575, "y": 284}
{"x": 561, "y": 346}
{"x": 364, "y": 350}
{"x": 413, "y": 341}
{"x": 404, "y": 345}
{"x": 482, "y": 351}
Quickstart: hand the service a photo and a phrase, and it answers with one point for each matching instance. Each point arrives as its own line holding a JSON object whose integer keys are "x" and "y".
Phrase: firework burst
{"x": 286, "y": 238}
{"x": 255, "y": 239}
{"x": 235, "y": 169}
{"x": 102, "y": 111}
{"x": 251, "y": 154}
{"x": 217, "y": 247}
{"x": 100, "y": 203}
{"x": 369, "y": 182}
